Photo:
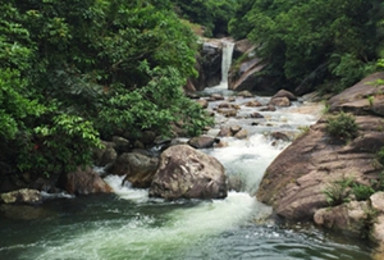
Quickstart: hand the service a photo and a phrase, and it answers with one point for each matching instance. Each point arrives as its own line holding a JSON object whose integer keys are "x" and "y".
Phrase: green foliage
{"x": 337, "y": 192}
{"x": 73, "y": 70}
{"x": 60, "y": 146}
{"x": 214, "y": 15}
{"x": 361, "y": 191}
{"x": 342, "y": 126}
{"x": 311, "y": 43}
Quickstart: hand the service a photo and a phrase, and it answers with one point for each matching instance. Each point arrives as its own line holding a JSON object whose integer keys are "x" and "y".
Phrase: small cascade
{"x": 226, "y": 62}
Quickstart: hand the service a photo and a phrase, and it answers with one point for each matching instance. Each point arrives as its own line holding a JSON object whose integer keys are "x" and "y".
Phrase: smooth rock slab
{"x": 188, "y": 173}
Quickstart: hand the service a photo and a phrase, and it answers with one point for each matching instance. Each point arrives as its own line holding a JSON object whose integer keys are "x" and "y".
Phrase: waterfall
{"x": 226, "y": 62}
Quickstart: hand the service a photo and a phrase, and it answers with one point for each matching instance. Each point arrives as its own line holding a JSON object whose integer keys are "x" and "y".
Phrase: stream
{"x": 130, "y": 225}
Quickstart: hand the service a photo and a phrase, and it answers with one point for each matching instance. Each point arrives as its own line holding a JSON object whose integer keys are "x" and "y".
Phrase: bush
{"x": 342, "y": 126}
{"x": 362, "y": 192}
{"x": 337, "y": 192}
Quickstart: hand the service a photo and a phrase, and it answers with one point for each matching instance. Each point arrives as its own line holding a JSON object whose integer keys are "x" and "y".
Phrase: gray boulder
{"x": 187, "y": 173}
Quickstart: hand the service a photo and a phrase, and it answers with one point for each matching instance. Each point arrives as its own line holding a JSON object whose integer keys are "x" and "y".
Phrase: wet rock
{"x": 285, "y": 93}
{"x": 235, "y": 183}
{"x": 21, "y": 196}
{"x": 228, "y": 112}
{"x": 221, "y": 144}
{"x": 228, "y": 106}
{"x": 235, "y": 129}
{"x": 253, "y": 103}
{"x": 231, "y": 99}
{"x": 256, "y": 115}
{"x": 280, "y": 136}
{"x": 280, "y": 102}
{"x": 244, "y": 93}
{"x": 216, "y": 97}
{"x": 351, "y": 217}
{"x": 137, "y": 167}
{"x": 225, "y": 132}
{"x": 200, "y": 142}
{"x": 121, "y": 144}
{"x": 187, "y": 173}
{"x": 242, "y": 134}
{"x": 269, "y": 107}
{"x": 203, "y": 103}
{"x": 84, "y": 182}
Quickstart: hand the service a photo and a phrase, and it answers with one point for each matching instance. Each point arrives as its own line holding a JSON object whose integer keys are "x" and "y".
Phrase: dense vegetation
{"x": 74, "y": 71}
{"x": 313, "y": 43}
{"x": 214, "y": 15}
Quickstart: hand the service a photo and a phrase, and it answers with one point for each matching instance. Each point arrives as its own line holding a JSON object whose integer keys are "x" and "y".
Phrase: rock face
{"x": 83, "y": 182}
{"x": 21, "y": 196}
{"x": 294, "y": 183}
{"x": 138, "y": 168}
{"x": 208, "y": 65}
{"x": 187, "y": 173}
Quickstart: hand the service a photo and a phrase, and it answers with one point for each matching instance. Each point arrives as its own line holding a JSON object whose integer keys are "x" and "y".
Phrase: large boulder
{"x": 187, "y": 173}
{"x": 84, "y": 182}
{"x": 138, "y": 168}
{"x": 21, "y": 196}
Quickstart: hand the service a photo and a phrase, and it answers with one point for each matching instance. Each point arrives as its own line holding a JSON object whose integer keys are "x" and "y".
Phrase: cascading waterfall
{"x": 226, "y": 62}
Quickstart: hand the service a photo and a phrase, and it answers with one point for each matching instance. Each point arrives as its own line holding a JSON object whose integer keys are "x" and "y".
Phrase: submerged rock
{"x": 84, "y": 182}
{"x": 25, "y": 212}
{"x": 187, "y": 173}
{"x": 21, "y": 196}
